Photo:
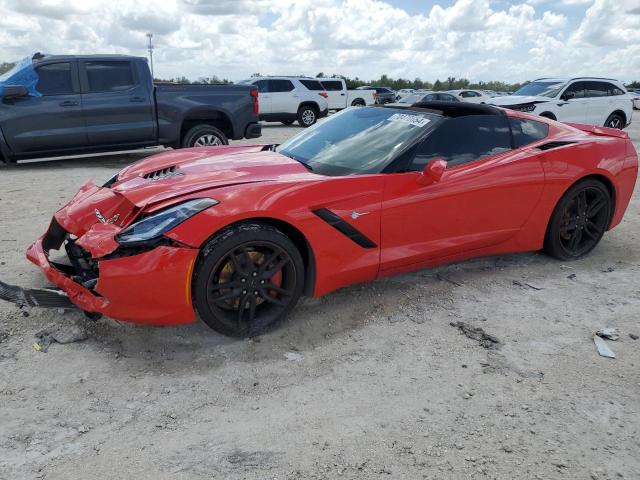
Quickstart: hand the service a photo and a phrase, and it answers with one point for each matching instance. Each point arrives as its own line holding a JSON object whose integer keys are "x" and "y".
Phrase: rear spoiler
{"x": 600, "y": 131}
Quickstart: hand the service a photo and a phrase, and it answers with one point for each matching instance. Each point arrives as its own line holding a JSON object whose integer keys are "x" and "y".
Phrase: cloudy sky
{"x": 476, "y": 39}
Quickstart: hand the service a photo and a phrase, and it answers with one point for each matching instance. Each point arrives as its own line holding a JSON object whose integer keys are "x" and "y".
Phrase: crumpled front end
{"x": 148, "y": 284}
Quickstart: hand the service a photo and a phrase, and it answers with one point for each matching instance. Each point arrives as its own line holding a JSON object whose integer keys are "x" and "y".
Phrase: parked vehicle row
{"x": 63, "y": 105}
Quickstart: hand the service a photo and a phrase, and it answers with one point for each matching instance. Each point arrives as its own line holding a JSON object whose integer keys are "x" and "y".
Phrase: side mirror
{"x": 14, "y": 91}
{"x": 567, "y": 96}
{"x": 432, "y": 173}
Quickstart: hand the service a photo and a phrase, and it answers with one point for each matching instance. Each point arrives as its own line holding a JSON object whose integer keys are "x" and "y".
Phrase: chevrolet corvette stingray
{"x": 236, "y": 234}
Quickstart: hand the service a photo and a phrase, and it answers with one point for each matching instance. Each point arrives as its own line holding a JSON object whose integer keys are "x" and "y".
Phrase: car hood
{"x": 516, "y": 100}
{"x": 176, "y": 173}
{"x": 96, "y": 214}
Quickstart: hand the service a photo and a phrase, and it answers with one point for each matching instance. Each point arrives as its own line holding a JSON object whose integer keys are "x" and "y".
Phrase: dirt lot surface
{"x": 369, "y": 382}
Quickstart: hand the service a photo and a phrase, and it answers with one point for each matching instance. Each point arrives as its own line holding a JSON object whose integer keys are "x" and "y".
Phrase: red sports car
{"x": 236, "y": 234}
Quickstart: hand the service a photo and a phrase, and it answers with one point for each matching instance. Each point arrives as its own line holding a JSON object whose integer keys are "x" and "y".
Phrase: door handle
{"x": 136, "y": 99}
{"x": 69, "y": 103}
{"x": 342, "y": 94}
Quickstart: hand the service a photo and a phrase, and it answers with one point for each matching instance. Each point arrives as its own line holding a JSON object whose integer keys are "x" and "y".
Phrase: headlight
{"x": 528, "y": 107}
{"x": 157, "y": 224}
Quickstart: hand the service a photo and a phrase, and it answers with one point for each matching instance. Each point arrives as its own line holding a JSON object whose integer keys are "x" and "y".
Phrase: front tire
{"x": 579, "y": 220}
{"x": 247, "y": 279}
{"x": 204, "y": 135}
{"x": 615, "y": 121}
{"x": 307, "y": 116}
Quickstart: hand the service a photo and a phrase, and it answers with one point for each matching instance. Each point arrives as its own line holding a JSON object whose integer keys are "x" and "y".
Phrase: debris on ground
{"x": 476, "y": 333}
{"x": 58, "y": 334}
{"x": 633, "y": 336}
{"x": 520, "y": 284}
{"x": 609, "y": 333}
{"x": 603, "y": 348}
{"x": 294, "y": 356}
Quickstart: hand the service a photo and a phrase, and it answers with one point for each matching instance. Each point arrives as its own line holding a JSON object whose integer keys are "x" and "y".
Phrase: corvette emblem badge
{"x": 101, "y": 218}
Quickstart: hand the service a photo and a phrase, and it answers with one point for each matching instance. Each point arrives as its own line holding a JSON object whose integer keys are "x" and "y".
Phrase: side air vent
{"x": 164, "y": 173}
{"x": 551, "y": 145}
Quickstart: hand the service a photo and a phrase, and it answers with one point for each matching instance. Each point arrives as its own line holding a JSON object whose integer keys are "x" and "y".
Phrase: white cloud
{"x": 477, "y": 39}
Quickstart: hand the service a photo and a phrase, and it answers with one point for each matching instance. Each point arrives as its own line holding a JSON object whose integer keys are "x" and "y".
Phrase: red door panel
{"x": 474, "y": 205}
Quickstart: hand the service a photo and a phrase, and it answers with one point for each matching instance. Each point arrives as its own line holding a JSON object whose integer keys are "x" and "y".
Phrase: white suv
{"x": 287, "y": 99}
{"x": 590, "y": 100}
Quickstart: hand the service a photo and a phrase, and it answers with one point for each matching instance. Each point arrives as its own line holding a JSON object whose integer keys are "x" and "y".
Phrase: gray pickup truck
{"x": 65, "y": 105}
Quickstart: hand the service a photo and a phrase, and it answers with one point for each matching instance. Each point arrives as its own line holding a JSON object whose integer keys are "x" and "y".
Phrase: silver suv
{"x": 287, "y": 99}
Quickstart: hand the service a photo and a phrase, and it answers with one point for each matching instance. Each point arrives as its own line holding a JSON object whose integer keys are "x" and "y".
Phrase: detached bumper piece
{"x": 35, "y": 297}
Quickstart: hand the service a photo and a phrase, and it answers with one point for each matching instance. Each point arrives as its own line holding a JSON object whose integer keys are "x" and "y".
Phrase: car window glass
{"x": 464, "y": 139}
{"x": 263, "y": 86}
{"x": 576, "y": 89}
{"x": 595, "y": 89}
{"x": 527, "y": 131}
{"x": 358, "y": 140}
{"x": 332, "y": 85}
{"x": 280, "y": 85}
{"x": 109, "y": 76}
{"x": 55, "y": 79}
{"x": 612, "y": 89}
{"x": 312, "y": 85}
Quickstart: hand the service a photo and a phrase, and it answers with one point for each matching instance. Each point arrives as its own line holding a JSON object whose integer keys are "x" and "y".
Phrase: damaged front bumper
{"x": 151, "y": 287}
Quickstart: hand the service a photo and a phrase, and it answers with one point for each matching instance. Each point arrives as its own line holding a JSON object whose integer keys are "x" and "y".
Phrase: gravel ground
{"x": 369, "y": 382}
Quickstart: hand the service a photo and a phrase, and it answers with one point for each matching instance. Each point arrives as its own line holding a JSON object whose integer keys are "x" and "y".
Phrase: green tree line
{"x": 451, "y": 83}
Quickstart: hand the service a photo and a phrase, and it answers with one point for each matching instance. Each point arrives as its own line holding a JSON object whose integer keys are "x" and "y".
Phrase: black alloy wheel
{"x": 248, "y": 281}
{"x": 614, "y": 121}
{"x": 579, "y": 221}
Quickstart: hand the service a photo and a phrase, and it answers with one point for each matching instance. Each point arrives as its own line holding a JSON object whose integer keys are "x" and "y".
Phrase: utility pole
{"x": 150, "y": 35}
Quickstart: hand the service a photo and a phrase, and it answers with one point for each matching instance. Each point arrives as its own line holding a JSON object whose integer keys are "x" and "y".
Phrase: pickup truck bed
{"x": 65, "y": 105}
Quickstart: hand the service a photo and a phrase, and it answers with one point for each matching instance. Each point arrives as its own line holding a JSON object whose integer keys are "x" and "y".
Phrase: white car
{"x": 471, "y": 96}
{"x": 287, "y": 99}
{"x": 340, "y": 97}
{"x": 590, "y": 100}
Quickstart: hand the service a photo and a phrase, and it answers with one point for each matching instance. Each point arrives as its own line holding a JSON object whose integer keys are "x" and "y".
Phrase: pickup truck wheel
{"x": 307, "y": 116}
{"x": 358, "y": 102}
{"x": 204, "y": 136}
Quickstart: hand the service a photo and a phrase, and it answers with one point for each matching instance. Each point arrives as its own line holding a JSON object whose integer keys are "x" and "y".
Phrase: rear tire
{"x": 247, "y": 279}
{"x": 615, "y": 120}
{"x": 358, "y": 102}
{"x": 579, "y": 220}
{"x": 307, "y": 116}
{"x": 204, "y": 135}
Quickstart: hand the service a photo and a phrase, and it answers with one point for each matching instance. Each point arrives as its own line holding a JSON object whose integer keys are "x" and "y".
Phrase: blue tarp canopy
{"x": 22, "y": 74}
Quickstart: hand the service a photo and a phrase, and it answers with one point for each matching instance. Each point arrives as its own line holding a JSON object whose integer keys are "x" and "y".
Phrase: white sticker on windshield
{"x": 415, "y": 120}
